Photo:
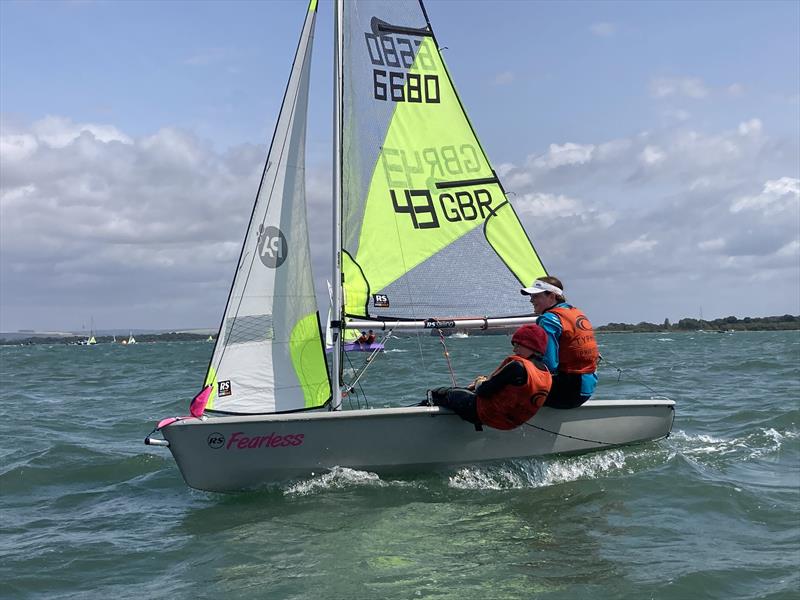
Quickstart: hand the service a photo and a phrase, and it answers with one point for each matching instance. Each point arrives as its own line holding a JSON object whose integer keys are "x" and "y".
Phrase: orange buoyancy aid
{"x": 512, "y": 405}
{"x": 577, "y": 348}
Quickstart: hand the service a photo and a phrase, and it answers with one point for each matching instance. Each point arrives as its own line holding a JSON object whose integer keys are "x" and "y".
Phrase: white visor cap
{"x": 541, "y": 286}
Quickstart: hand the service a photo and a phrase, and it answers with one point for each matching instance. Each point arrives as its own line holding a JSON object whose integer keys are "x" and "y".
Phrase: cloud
{"x": 751, "y": 127}
{"x": 563, "y": 155}
{"x": 777, "y": 196}
{"x": 88, "y": 212}
{"x": 711, "y": 245}
{"x": 59, "y": 132}
{"x": 652, "y": 155}
{"x": 638, "y": 246}
{"x": 679, "y": 115}
{"x": 17, "y": 147}
{"x": 603, "y": 29}
{"x": 665, "y": 207}
{"x": 735, "y": 89}
{"x": 143, "y": 232}
{"x": 549, "y": 205}
{"x": 504, "y": 78}
{"x": 688, "y": 87}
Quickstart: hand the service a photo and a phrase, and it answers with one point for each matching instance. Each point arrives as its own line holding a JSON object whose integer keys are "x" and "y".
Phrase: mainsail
{"x": 269, "y": 355}
{"x": 427, "y": 229}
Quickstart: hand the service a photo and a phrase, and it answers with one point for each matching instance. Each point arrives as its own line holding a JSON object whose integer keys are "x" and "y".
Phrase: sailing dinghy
{"x": 416, "y": 205}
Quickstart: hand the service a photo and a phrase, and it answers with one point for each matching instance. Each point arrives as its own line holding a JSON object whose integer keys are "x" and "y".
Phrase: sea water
{"x": 87, "y": 511}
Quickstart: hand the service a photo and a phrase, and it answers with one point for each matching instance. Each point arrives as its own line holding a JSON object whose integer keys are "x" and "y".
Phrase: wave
{"x": 532, "y": 473}
{"x": 704, "y": 447}
{"x": 336, "y": 478}
{"x": 509, "y": 475}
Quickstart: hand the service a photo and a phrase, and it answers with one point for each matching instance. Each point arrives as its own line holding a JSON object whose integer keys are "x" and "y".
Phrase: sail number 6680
{"x": 399, "y": 86}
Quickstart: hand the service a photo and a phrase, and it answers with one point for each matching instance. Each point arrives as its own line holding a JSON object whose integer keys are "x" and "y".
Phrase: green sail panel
{"x": 428, "y": 231}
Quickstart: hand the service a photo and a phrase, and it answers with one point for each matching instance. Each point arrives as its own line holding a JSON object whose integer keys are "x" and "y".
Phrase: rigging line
{"x": 350, "y": 388}
{"x": 447, "y": 357}
{"x": 620, "y": 371}
{"x": 367, "y": 363}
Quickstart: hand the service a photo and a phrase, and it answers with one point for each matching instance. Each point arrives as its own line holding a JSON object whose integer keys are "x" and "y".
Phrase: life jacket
{"x": 577, "y": 348}
{"x": 512, "y": 405}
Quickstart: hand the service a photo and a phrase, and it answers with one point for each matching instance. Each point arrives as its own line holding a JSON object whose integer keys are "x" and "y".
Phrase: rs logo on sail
{"x": 272, "y": 246}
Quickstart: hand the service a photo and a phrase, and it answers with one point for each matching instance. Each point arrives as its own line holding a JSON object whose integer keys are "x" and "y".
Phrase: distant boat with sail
{"x": 415, "y": 197}
{"x": 91, "y": 340}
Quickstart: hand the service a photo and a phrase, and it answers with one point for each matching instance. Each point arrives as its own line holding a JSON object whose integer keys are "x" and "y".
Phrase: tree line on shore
{"x": 777, "y": 323}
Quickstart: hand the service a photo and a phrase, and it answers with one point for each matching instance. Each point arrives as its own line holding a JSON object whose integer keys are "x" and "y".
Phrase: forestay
{"x": 427, "y": 229}
{"x": 269, "y": 355}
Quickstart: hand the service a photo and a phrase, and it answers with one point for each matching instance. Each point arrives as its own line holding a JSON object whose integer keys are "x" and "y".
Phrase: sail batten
{"x": 427, "y": 227}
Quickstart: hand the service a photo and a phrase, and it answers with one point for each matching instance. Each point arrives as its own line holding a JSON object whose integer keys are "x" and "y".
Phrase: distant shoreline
{"x": 724, "y": 325}
{"x": 75, "y": 340}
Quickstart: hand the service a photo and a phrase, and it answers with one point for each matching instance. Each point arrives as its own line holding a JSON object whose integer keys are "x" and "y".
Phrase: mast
{"x": 336, "y": 306}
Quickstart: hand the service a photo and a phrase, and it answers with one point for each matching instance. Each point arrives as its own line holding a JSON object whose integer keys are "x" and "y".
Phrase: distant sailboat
{"x": 131, "y": 339}
{"x": 91, "y": 341}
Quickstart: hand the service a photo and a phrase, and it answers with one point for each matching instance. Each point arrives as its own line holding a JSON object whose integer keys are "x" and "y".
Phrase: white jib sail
{"x": 269, "y": 355}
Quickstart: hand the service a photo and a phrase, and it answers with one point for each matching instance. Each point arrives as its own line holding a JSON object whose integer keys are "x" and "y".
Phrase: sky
{"x": 651, "y": 149}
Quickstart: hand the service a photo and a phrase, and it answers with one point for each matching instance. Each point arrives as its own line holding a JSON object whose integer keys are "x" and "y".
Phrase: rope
{"x": 447, "y": 357}
{"x": 350, "y": 387}
{"x": 620, "y": 371}
{"x": 572, "y": 437}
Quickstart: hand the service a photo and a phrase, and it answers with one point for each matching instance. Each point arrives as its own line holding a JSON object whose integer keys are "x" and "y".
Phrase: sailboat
{"x": 416, "y": 205}
{"x": 91, "y": 341}
{"x": 131, "y": 339}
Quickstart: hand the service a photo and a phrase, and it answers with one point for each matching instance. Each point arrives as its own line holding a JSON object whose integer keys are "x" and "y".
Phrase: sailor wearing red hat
{"x": 512, "y": 394}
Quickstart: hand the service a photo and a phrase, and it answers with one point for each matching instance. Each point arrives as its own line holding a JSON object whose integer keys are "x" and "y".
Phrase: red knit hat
{"x": 532, "y": 337}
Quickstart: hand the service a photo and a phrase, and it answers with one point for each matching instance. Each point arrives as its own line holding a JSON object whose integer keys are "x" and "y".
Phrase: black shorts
{"x": 461, "y": 401}
{"x": 566, "y": 391}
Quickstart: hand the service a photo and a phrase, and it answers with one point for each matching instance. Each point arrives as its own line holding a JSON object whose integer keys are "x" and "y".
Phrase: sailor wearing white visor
{"x": 572, "y": 353}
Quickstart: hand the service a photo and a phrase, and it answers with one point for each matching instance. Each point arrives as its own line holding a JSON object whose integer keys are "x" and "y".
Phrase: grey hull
{"x": 235, "y": 453}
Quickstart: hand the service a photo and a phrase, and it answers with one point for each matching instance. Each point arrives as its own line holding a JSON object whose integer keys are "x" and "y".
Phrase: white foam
{"x": 753, "y": 445}
{"x": 536, "y": 473}
{"x": 336, "y": 478}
